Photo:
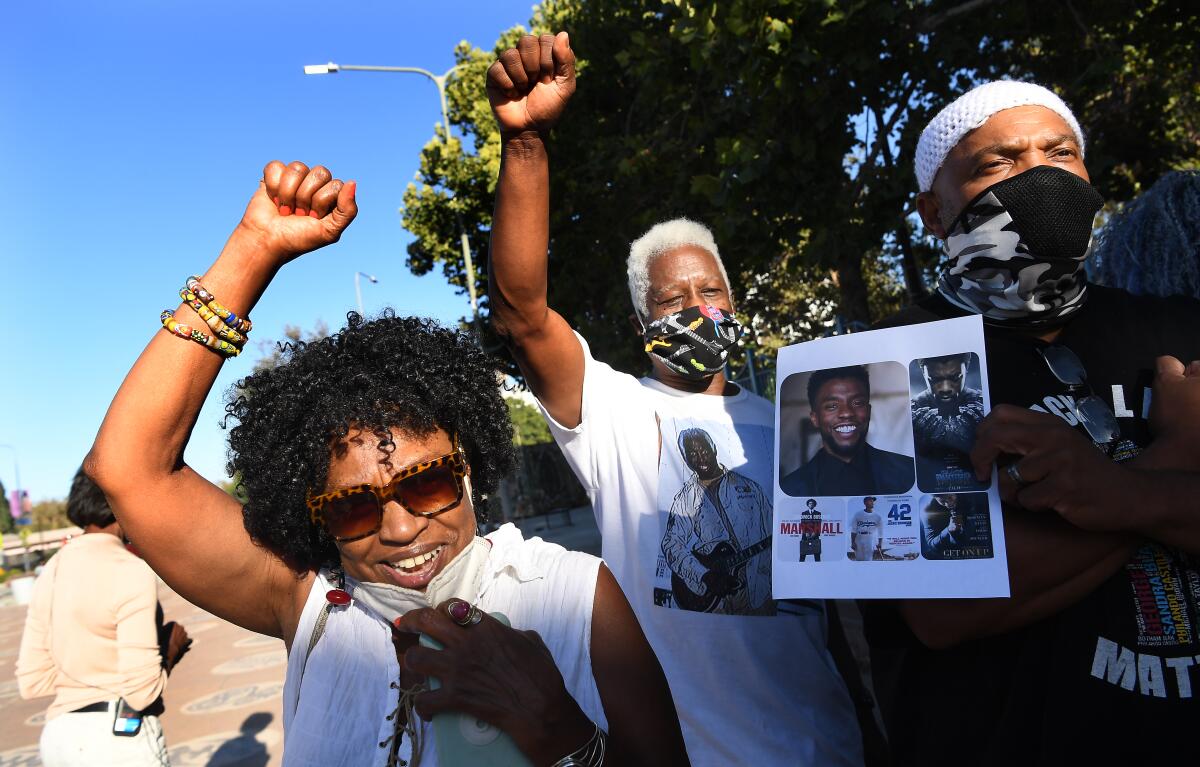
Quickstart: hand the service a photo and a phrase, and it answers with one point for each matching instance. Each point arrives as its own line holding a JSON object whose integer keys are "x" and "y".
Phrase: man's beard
{"x": 832, "y": 446}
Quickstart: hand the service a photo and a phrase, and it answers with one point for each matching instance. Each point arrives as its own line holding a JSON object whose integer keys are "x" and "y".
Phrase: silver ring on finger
{"x": 475, "y": 617}
{"x": 1014, "y": 474}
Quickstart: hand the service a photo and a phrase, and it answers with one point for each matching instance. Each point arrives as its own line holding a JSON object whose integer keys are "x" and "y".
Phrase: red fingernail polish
{"x": 285, "y": 210}
{"x": 313, "y": 213}
{"x": 276, "y": 199}
{"x": 396, "y": 623}
{"x": 301, "y": 212}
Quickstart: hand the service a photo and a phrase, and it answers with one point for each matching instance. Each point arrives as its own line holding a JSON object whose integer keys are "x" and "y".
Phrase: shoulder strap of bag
{"x": 317, "y": 632}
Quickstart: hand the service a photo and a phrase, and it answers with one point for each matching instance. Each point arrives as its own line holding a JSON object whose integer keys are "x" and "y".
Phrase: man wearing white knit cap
{"x": 1095, "y": 656}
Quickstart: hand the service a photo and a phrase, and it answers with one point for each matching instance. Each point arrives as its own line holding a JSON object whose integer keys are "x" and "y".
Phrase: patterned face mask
{"x": 1017, "y": 250}
{"x": 695, "y": 342}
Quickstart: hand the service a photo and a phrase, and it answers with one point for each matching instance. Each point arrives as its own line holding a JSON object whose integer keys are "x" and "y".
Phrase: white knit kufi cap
{"x": 971, "y": 110}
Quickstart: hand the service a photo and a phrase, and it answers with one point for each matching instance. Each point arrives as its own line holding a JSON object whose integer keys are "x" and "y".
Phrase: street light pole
{"x": 358, "y": 290}
{"x": 440, "y": 82}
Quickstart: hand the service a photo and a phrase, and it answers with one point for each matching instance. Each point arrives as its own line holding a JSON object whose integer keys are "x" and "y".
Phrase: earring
{"x": 338, "y": 595}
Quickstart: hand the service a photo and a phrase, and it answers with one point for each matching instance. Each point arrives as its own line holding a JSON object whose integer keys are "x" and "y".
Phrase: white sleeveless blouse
{"x": 337, "y": 718}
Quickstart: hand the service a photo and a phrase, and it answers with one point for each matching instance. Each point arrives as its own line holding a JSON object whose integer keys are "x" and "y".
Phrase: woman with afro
{"x": 364, "y": 457}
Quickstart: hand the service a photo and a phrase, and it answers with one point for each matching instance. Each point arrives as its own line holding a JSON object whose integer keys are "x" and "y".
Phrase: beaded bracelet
{"x": 232, "y": 320}
{"x": 186, "y": 331}
{"x": 211, "y": 319}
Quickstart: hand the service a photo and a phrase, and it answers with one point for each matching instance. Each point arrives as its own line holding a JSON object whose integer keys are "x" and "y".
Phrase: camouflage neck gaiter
{"x": 1017, "y": 250}
{"x": 695, "y": 342}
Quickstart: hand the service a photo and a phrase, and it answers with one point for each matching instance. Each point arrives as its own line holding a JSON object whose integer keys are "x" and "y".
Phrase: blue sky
{"x": 131, "y": 137}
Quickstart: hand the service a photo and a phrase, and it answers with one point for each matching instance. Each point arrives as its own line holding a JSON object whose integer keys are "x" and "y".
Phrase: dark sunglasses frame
{"x": 458, "y": 465}
{"x": 1092, "y": 412}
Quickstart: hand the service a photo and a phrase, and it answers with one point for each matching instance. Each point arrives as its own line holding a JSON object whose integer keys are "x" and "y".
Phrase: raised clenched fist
{"x": 297, "y": 209}
{"x": 530, "y": 85}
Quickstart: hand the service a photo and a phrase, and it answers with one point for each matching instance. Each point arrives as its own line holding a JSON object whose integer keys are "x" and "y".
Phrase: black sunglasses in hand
{"x": 1094, "y": 413}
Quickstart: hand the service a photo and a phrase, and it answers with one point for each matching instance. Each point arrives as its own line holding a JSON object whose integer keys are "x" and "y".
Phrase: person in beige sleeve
{"x": 92, "y": 638}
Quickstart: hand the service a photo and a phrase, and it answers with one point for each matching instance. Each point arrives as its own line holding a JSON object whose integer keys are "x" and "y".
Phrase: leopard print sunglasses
{"x": 423, "y": 489}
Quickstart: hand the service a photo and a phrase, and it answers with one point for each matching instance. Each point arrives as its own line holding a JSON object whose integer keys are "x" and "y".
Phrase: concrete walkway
{"x": 574, "y": 529}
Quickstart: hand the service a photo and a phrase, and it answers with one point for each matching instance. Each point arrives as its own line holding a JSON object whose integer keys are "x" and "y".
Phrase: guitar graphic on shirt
{"x": 722, "y": 559}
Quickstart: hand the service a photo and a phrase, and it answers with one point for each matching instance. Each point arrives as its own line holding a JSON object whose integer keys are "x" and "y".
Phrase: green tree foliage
{"x": 7, "y": 523}
{"x": 789, "y": 127}
{"x": 235, "y": 488}
{"x": 529, "y": 428}
{"x": 1129, "y": 71}
{"x": 49, "y": 515}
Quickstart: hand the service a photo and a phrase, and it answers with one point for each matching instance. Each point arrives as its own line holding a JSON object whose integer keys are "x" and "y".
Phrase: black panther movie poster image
{"x": 946, "y": 407}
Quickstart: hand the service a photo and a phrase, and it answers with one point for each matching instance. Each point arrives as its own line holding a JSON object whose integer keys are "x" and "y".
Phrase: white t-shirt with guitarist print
{"x": 686, "y": 531}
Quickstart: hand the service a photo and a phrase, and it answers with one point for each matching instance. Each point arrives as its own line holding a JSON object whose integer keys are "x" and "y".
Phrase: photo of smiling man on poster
{"x": 846, "y": 463}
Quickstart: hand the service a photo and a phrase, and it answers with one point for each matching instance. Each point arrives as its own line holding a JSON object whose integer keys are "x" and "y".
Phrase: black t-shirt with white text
{"x": 1114, "y": 676}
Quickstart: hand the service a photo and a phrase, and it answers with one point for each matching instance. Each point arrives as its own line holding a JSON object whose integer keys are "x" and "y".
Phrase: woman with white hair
{"x": 717, "y": 633}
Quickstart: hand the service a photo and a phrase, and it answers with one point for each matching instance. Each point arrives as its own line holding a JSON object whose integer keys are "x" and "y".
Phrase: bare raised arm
{"x": 187, "y": 528}
{"x": 528, "y": 87}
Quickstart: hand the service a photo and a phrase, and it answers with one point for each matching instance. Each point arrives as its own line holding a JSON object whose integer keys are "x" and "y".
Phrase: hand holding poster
{"x": 875, "y": 496}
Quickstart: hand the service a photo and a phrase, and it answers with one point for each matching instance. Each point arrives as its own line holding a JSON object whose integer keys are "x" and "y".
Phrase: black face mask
{"x": 1017, "y": 250}
{"x": 694, "y": 343}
